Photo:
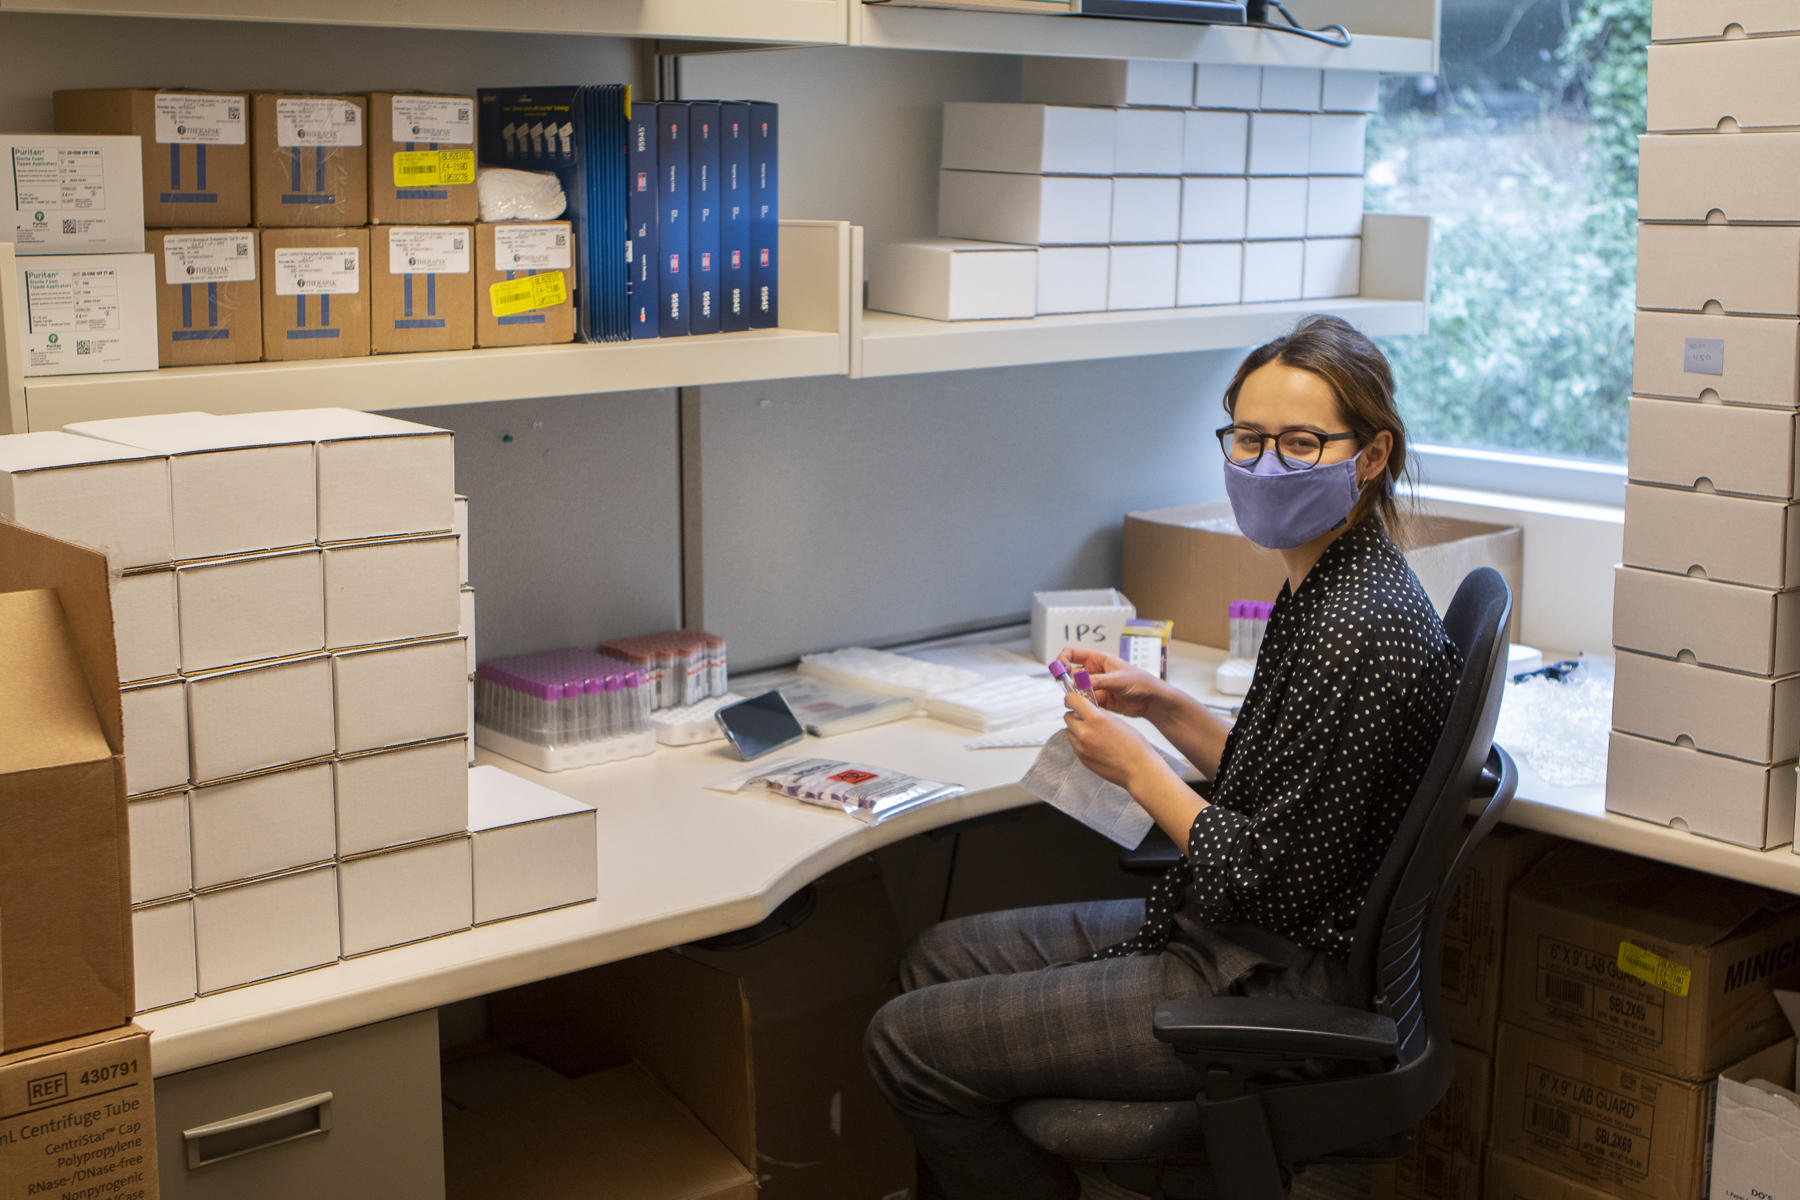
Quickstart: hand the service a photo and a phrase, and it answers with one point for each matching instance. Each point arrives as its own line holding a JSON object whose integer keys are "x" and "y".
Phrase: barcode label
{"x": 84, "y": 347}
{"x": 1558, "y": 990}
{"x": 1552, "y": 1120}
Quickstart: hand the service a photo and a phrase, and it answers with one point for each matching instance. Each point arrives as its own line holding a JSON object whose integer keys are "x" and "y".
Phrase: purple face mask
{"x": 1278, "y": 508}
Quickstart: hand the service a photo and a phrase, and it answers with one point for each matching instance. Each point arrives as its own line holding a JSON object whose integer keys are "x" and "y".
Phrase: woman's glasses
{"x": 1298, "y": 449}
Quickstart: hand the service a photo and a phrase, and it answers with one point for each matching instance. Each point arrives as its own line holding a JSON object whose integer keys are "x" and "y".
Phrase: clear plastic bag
{"x": 867, "y": 793}
{"x": 508, "y": 195}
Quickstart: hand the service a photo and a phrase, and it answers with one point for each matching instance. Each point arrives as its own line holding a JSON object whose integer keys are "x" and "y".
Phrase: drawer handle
{"x": 257, "y": 1130}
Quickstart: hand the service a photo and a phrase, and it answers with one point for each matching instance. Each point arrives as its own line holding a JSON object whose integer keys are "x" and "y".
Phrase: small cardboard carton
{"x": 315, "y": 299}
{"x": 1444, "y": 1160}
{"x": 1740, "y": 270}
{"x": 1107, "y": 83}
{"x": 393, "y": 897}
{"x": 113, "y": 498}
{"x": 1142, "y": 276}
{"x": 1274, "y": 270}
{"x": 1147, "y": 141}
{"x": 1475, "y": 933}
{"x": 1350, "y": 91}
{"x": 144, "y": 624}
{"x": 1277, "y": 207}
{"x": 1334, "y": 206}
{"x": 1729, "y": 539}
{"x": 1714, "y": 624}
{"x": 86, "y": 314}
{"x": 1660, "y": 967}
{"x": 1215, "y": 143}
{"x": 308, "y": 164}
{"x": 245, "y": 610}
{"x": 262, "y": 825}
{"x": 246, "y": 719}
{"x": 1704, "y": 20}
{"x": 520, "y": 269}
{"x": 1719, "y": 179}
{"x": 1028, "y": 139}
{"x": 195, "y": 149}
{"x": 388, "y": 798}
{"x": 1280, "y": 143}
{"x": 1220, "y": 86}
{"x": 70, "y": 194}
{"x": 1744, "y": 803}
{"x": 160, "y": 859}
{"x": 162, "y": 936}
{"x": 1741, "y": 83}
{"x": 156, "y": 736}
{"x": 1737, "y": 450}
{"x": 1030, "y": 210}
{"x": 1509, "y": 1178}
{"x": 1072, "y": 278}
{"x": 1733, "y": 360}
{"x": 433, "y": 678}
{"x": 534, "y": 849}
{"x": 1618, "y": 1128}
{"x": 1720, "y": 712}
{"x": 1756, "y": 1124}
{"x": 1213, "y": 208}
{"x": 1333, "y": 268}
{"x": 1210, "y": 273}
{"x": 1294, "y": 89}
{"x": 208, "y": 300}
{"x": 253, "y": 931}
{"x": 946, "y": 279}
{"x": 1147, "y": 208}
{"x": 422, "y": 289}
{"x": 422, "y": 159}
{"x": 391, "y": 591}
{"x": 90, "y": 1095}
{"x": 1336, "y": 147}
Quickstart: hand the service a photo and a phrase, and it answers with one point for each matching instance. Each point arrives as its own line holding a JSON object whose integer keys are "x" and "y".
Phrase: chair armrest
{"x": 1239, "y": 1025}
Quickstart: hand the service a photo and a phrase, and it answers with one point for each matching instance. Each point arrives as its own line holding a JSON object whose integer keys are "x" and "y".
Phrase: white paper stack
{"x": 997, "y": 703}
{"x": 881, "y": 671}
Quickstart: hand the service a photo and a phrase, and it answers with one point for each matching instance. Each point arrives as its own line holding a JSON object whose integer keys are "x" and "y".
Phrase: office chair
{"x": 1289, "y": 1083}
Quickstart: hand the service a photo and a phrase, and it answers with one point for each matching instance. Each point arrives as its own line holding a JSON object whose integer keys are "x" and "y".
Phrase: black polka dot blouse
{"x": 1352, "y": 689}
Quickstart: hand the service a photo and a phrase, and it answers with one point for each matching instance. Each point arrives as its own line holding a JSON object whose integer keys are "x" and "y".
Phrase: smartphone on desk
{"x": 760, "y": 725}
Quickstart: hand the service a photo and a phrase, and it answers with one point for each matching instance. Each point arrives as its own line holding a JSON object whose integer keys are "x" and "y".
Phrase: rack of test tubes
{"x": 1249, "y": 620}
{"x": 559, "y": 709}
{"x": 684, "y": 666}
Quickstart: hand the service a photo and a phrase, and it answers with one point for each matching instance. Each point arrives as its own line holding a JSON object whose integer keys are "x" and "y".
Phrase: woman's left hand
{"x": 1106, "y": 744}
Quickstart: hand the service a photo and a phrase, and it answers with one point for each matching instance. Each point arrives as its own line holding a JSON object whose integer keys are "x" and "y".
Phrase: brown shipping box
{"x": 1734, "y": 449}
{"x": 1733, "y": 360}
{"x": 422, "y": 288}
{"x": 1509, "y": 1178}
{"x": 519, "y": 250}
{"x": 1444, "y": 1160}
{"x": 1735, "y": 270}
{"x": 1627, "y": 1131}
{"x": 1717, "y": 712}
{"x": 1743, "y": 83}
{"x": 1663, "y": 968}
{"x": 1744, "y": 803}
{"x": 1753, "y": 630}
{"x": 65, "y": 877}
{"x": 422, "y": 159}
{"x": 1733, "y": 539}
{"x": 1708, "y": 20}
{"x": 1475, "y": 932}
{"x": 309, "y": 165}
{"x": 196, "y": 149}
{"x": 315, "y": 293}
{"x": 78, "y": 1118}
{"x": 1187, "y": 564}
{"x": 208, "y": 299}
{"x": 1722, "y": 179}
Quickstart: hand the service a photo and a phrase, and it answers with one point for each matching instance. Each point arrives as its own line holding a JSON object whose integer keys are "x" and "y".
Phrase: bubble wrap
{"x": 1561, "y": 729}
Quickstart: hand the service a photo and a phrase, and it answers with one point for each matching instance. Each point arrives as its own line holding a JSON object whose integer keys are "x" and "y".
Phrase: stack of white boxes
{"x": 1148, "y": 185}
{"x": 1706, "y": 617}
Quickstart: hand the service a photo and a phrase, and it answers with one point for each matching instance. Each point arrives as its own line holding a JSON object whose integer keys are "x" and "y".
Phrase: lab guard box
{"x": 1444, "y": 1160}
{"x": 1747, "y": 629}
{"x": 524, "y": 283}
{"x": 1662, "y": 968}
{"x": 422, "y": 159}
{"x": 86, "y": 314}
{"x": 1741, "y": 83}
{"x": 1509, "y": 1178}
{"x": 308, "y": 164}
{"x": 423, "y": 289}
{"x": 1744, "y": 803}
{"x": 70, "y": 194}
{"x": 1756, "y": 1121}
{"x": 79, "y": 1118}
{"x": 1734, "y": 449}
{"x": 208, "y": 300}
{"x": 1475, "y": 933}
{"x": 195, "y": 149}
{"x": 1734, "y": 360}
{"x": 315, "y": 293}
{"x": 1736, "y": 270}
{"x": 1611, "y": 1125}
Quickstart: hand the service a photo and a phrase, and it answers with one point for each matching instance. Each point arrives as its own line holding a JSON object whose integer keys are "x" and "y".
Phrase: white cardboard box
{"x": 1150, "y": 141}
{"x": 460, "y": 527}
{"x": 1728, "y": 539}
{"x": 1107, "y": 82}
{"x": 252, "y": 718}
{"x": 534, "y": 849}
{"x": 1719, "y": 712}
{"x": 1728, "y": 448}
{"x": 1745, "y": 270}
{"x": 87, "y": 314}
{"x": 112, "y": 498}
{"x": 1274, "y": 271}
{"x": 946, "y": 279}
{"x": 1291, "y": 89}
{"x": 1211, "y": 273}
{"x": 1146, "y": 209}
{"x": 1084, "y": 619}
{"x": 1220, "y": 86}
{"x": 1276, "y": 208}
{"x": 1215, "y": 143}
{"x": 1756, "y": 1120}
{"x": 162, "y": 937}
{"x": 377, "y": 476}
{"x": 465, "y": 624}
{"x": 1337, "y": 144}
{"x": 263, "y": 825}
{"x": 1280, "y": 143}
{"x": 261, "y": 930}
{"x": 1753, "y": 630}
{"x": 234, "y": 488}
{"x": 1213, "y": 208}
{"x": 1746, "y": 804}
{"x": 393, "y": 797}
{"x": 1030, "y": 210}
{"x": 159, "y": 846}
{"x": 71, "y": 193}
{"x": 145, "y": 630}
{"x": 1030, "y": 139}
{"x": 1333, "y": 268}
{"x": 406, "y": 895}
{"x": 1072, "y": 279}
{"x": 1142, "y": 277}
{"x": 1334, "y": 206}
{"x": 391, "y": 591}
{"x": 244, "y": 610}
{"x": 156, "y": 737}
{"x": 1351, "y": 91}
{"x": 431, "y": 678}
{"x": 1735, "y": 360}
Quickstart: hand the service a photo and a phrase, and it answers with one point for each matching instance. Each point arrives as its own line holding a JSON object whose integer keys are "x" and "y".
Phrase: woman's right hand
{"x": 1118, "y": 686}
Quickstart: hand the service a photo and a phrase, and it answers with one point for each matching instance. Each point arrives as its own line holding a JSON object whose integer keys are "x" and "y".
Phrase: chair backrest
{"x": 1390, "y": 969}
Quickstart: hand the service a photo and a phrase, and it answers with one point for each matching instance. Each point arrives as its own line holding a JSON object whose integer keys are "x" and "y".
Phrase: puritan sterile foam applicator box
{"x": 196, "y": 149}
{"x": 1222, "y": 86}
{"x": 263, "y": 825}
{"x": 1280, "y": 143}
{"x": 947, "y": 279}
{"x": 1334, "y": 206}
{"x": 534, "y": 848}
{"x": 71, "y": 193}
{"x": 1277, "y": 208}
{"x": 1748, "y": 717}
{"x": 1745, "y": 804}
{"x": 1291, "y": 89}
{"x": 111, "y": 497}
{"x": 86, "y": 314}
{"x": 406, "y": 895}
{"x": 1148, "y": 142}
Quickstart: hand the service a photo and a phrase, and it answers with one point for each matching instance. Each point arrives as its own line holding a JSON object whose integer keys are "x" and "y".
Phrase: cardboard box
{"x": 459, "y": 525}
{"x": 534, "y": 848}
{"x": 144, "y": 625}
{"x": 1738, "y": 180}
{"x": 1509, "y": 1179}
{"x": 390, "y": 591}
{"x": 1211, "y": 273}
{"x": 1719, "y": 712}
{"x": 99, "y": 1083}
{"x": 944, "y": 279}
{"x": 1714, "y": 624}
{"x": 1087, "y": 619}
{"x": 1736, "y": 360}
{"x": 1274, "y": 271}
{"x": 1294, "y": 89}
{"x": 252, "y": 718}
{"x": 233, "y": 488}
{"x": 422, "y": 159}
{"x": 1743, "y": 270}
{"x": 86, "y": 314}
{"x": 1756, "y": 1121}
{"x": 1031, "y": 210}
{"x": 519, "y": 250}
{"x": 1182, "y": 565}
{"x": 1475, "y": 933}
{"x": 1334, "y": 206}
{"x": 1277, "y": 207}
{"x": 162, "y": 938}
{"x": 1337, "y": 145}
{"x": 1213, "y": 208}
{"x": 1746, "y": 804}
{"x": 1106, "y": 83}
{"x": 244, "y": 610}
{"x": 263, "y": 825}
{"x": 315, "y": 298}
{"x": 70, "y": 194}
{"x": 1702, "y": 20}
{"x": 308, "y": 164}
{"x": 1333, "y": 268}
{"x": 398, "y": 896}
{"x": 161, "y": 864}
{"x": 1215, "y": 143}
{"x": 156, "y": 736}
{"x": 195, "y": 148}
{"x": 612, "y": 1133}
{"x": 430, "y": 675}
{"x": 423, "y": 288}
{"x": 208, "y": 300}
{"x": 110, "y": 497}
{"x": 255, "y": 931}
{"x": 1736, "y": 450}
{"x": 1624, "y": 1130}
{"x": 1149, "y": 141}
{"x": 1729, "y": 539}
{"x": 1588, "y": 924}
{"x": 1220, "y": 86}
{"x": 1142, "y": 277}
{"x": 1280, "y": 144}
{"x": 1350, "y": 91}
{"x": 390, "y": 798}
{"x": 1072, "y": 278}
{"x": 1029, "y": 139}
{"x": 1444, "y": 1160}
{"x": 465, "y": 624}
{"x": 1700, "y": 86}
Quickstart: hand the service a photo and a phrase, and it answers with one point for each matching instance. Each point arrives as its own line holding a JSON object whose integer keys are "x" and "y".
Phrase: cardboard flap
{"x": 30, "y": 561}
{"x": 47, "y": 717}
{"x": 1790, "y": 1007}
{"x": 1683, "y": 907}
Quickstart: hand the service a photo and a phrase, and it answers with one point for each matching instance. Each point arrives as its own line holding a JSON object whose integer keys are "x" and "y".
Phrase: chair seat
{"x": 1143, "y": 1130}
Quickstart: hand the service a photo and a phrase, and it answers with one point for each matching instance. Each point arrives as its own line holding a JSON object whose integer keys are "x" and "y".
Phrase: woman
{"x": 1352, "y": 688}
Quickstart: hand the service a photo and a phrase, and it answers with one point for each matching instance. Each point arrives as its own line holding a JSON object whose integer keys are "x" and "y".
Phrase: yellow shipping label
{"x": 1654, "y": 969}
{"x": 511, "y": 296}
{"x": 433, "y": 168}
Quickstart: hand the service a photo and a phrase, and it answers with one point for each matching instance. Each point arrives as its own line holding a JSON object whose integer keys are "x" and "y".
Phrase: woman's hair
{"x": 1358, "y": 375}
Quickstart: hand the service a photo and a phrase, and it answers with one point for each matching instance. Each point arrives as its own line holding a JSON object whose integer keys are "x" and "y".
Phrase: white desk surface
{"x": 679, "y": 863}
